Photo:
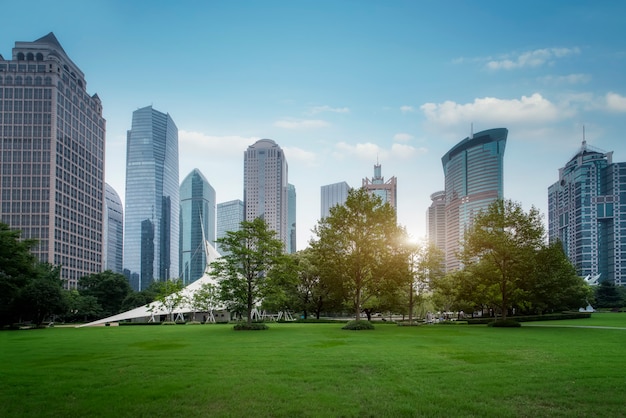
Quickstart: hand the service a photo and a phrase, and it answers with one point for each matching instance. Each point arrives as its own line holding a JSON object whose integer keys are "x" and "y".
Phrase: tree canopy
{"x": 359, "y": 250}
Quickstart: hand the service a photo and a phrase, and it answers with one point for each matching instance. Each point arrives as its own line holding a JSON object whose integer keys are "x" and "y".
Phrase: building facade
{"x": 197, "y": 225}
{"x": 113, "y": 252}
{"x": 152, "y": 199}
{"x": 229, "y": 217}
{"x": 473, "y": 171}
{"x": 386, "y": 190}
{"x": 587, "y": 214}
{"x": 52, "y": 137}
{"x": 436, "y": 220}
{"x": 332, "y": 195}
{"x": 265, "y": 182}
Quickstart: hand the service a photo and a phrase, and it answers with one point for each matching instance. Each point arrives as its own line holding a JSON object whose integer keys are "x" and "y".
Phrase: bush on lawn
{"x": 358, "y": 325}
{"x": 255, "y": 326}
{"x": 504, "y": 323}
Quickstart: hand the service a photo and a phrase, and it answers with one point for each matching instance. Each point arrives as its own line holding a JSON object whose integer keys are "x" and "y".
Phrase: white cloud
{"x": 531, "y": 59}
{"x": 194, "y": 143}
{"x": 533, "y": 109}
{"x": 402, "y": 137}
{"x": 303, "y": 157}
{"x": 615, "y": 102}
{"x": 407, "y": 109}
{"x": 567, "y": 79}
{"x": 404, "y": 151}
{"x": 365, "y": 151}
{"x": 298, "y": 124}
{"x": 320, "y": 109}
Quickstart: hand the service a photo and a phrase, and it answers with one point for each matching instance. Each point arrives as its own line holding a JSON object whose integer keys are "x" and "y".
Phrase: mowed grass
{"x": 316, "y": 370}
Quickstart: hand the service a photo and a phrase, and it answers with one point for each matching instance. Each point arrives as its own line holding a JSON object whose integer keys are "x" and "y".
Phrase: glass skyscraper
{"x": 52, "y": 138}
{"x": 113, "y": 253}
{"x": 265, "y": 186}
{"x": 291, "y": 195}
{"x": 152, "y": 199}
{"x": 197, "y": 224}
{"x": 587, "y": 214}
{"x": 332, "y": 195}
{"x": 386, "y": 190}
{"x": 436, "y": 220}
{"x": 473, "y": 180}
{"x": 229, "y": 218}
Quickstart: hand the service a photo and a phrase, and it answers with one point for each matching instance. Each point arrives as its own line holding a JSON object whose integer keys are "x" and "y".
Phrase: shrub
{"x": 358, "y": 325}
{"x": 168, "y": 323}
{"x": 506, "y": 323}
{"x": 194, "y": 323}
{"x": 255, "y": 326}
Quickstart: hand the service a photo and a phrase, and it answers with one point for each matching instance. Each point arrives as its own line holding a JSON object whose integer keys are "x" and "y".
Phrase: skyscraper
{"x": 152, "y": 199}
{"x": 587, "y": 213}
{"x": 436, "y": 220}
{"x": 386, "y": 190}
{"x": 265, "y": 186}
{"x": 113, "y": 253}
{"x": 332, "y": 195}
{"x": 473, "y": 180}
{"x": 291, "y": 218}
{"x": 229, "y": 217}
{"x": 53, "y": 143}
{"x": 197, "y": 224}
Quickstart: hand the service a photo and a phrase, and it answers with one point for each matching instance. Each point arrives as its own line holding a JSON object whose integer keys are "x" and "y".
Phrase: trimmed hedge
{"x": 358, "y": 326}
{"x": 506, "y": 323}
{"x": 255, "y": 326}
{"x": 532, "y": 318}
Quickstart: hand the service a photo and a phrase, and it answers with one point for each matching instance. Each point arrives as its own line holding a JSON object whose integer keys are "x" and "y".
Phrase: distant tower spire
{"x": 472, "y": 130}
{"x": 584, "y": 139}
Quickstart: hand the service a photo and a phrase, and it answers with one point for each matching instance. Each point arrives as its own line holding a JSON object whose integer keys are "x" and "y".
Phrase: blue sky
{"x": 342, "y": 84}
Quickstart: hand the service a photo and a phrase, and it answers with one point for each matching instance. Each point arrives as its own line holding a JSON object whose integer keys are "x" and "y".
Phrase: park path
{"x": 570, "y": 326}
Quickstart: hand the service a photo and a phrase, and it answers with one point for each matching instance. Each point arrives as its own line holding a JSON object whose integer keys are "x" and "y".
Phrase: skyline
{"x": 342, "y": 86}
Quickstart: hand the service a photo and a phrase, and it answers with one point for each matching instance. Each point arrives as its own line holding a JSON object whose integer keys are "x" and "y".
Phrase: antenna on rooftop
{"x": 472, "y": 130}
{"x": 584, "y": 139}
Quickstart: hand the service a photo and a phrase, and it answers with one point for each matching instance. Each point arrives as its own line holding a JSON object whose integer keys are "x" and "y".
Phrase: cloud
{"x": 302, "y": 157}
{"x": 320, "y": 109}
{"x": 372, "y": 152}
{"x": 194, "y": 143}
{"x": 531, "y": 59}
{"x": 402, "y": 137}
{"x": 407, "y": 109}
{"x": 566, "y": 79}
{"x": 300, "y": 124}
{"x": 533, "y": 109}
{"x": 404, "y": 151}
{"x": 615, "y": 102}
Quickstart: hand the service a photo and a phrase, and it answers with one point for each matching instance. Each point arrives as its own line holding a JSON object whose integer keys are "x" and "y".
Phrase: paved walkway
{"x": 527, "y": 324}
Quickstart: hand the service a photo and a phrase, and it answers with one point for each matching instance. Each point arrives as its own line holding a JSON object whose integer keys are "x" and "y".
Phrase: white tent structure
{"x": 154, "y": 310}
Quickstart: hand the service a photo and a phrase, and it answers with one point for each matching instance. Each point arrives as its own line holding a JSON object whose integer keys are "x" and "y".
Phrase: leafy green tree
{"x": 141, "y": 298}
{"x": 252, "y": 253}
{"x": 502, "y": 242}
{"x": 169, "y": 296}
{"x": 17, "y": 267}
{"x": 359, "y": 245}
{"x": 110, "y": 289}
{"x": 43, "y": 296}
{"x": 81, "y": 308}
{"x": 555, "y": 286}
{"x": 426, "y": 264}
{"x": 607, "y": 295}
{"x": 206, "y": 299}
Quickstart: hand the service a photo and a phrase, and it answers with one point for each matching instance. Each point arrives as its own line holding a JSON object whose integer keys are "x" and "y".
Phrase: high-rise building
{"x": 229, "y": 218}
{"x": 291, "y": 218}
{"x": 436, "y": 220}
{"x": 386, "y": 190}
{"x": 197, "y": 225}
{"x": 332, "y": 195}
{"x": 152, "y": 200}
{"x": 473, "y": 180}
{"x": 52, "y": 167}
{"x": 265, "y": 186}
{"x": 587, "y": 214}
{"x": 113, "y": 253}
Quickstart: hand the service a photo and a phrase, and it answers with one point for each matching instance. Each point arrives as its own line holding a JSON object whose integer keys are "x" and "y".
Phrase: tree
{"x": 502, "y": 243}
{"x": 206, "y": 299}
{"x": 169, "y": 296}
{"x": 359, "y": 247}
{"x": 81, "y": 308}
{"x": 252, "y": 253}
{"x": 110, "y": 289}
{"x": 426, "y": 264}
{"x": 43, "y": 296}
{"x": 17, "y": 267}
{"x": 608, "y": 296}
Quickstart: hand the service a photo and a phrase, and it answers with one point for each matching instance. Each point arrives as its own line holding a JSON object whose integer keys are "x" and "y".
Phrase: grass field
{"x": 317, "y": 370}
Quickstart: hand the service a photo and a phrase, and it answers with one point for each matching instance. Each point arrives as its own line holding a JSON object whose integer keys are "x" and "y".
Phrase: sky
{"x": 342, "y": 85}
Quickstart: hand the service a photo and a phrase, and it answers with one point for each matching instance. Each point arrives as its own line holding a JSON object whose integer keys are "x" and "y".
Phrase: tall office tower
{"x": 152, "y": 200}
{"x": 587, "y": 213}
{"x": 265, "y": 186}
{"x": 229, "y": 218}
{"x": 113, "y": 253}
{"x": 387, "y": 190}
{"x": 53, "y": 143}
{"x": 197, "y": 224}
{"x": 291, "y": 218}
{"x": 333, "y": 195}
{"x": 473, "y": 180}
{"x": 436, "y": 220}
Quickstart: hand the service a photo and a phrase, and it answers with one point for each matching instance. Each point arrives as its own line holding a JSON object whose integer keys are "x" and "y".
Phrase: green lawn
{"x": 317, "y": 370}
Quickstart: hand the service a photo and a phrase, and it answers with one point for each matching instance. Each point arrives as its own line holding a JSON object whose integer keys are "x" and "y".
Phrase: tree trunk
{"x": 411, "y": 304}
